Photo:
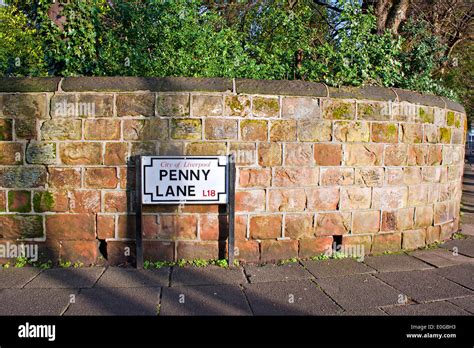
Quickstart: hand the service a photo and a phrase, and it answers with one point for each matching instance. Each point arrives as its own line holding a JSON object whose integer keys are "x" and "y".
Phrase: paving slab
{"x": 204, "y": 300}
{"x": 467, "y": 229}
{"x": 462, "y": 246}
{"x": 466, "y": 303}
{"x": 441, "y": 257}
{"x": 211, "y": 275}
{"x": 63, "y": 278}
{"x": 35, "y": 301}
{"x": 17, "y": 277}
{"x": 462, "y": 274}
{"x": 116, "y": 301}
{"x": 431, "y": 308}
{"x": 423, "y": 286}
{"x": 394, "y": 263}
{"x": 302, "y": 297}
{"x": 115, "y": 277}
{"x": 336, "y": 268}
{"x": 276, "y": 273}
{"x": 359, "y": 292}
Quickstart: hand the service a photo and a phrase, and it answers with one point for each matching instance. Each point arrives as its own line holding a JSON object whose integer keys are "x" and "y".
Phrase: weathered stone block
{"x": 265, "y": 226}
{"x": 286, "y": 200}
{"x": 24, "y": 106}
{"x": 186, "y": 129}
{"x": 365, "y": 221}
{"x": 386, "y": 242}
{"x": 327, "y": 154}
{"x": 116, "y": 154}
{"x": 245, "y": 153}
{"x": 295, "y": 177}
{"x": 22, "y": 177}
{"x": 6, "y": 130}
{"x": 412, "y": 133}
{"x": 265, "y": 106}
{"x": 389, "y": 221}
{"x": 337, "y": 176}
{"x": 64, "y": 178}
{"x": 254, "y": 130}
{"x": 338, "y": 110}
{"x": 444, "y": 135}
{"x": 330, "y": 224}
{"x": 314, "y": 130}
{"x": 81, "y": 153}
{"x": 116, "y": 202}
{"x": 70, "y": 227}
{"x": 425, "y": 114}
{"x": 102, "y": 129}
{"x": 355, "y": 198}
{"x": 363, "y": 154}
{"x": 314, "y": 246}
{"x": 417, "y": 195}
{"x": 136, "y": 104}
{"x": 423, "y": 216}
{"x": 395, "y": 155}
{"x": 247, "y": 250}
{"x": 85, "y": 201}
{"x": 417, "y": 155}
{"x": 206, "y": 149}
{"x": 412, "y": 175}
{"x": 405, "y": 218}
{"x": 372, "y": 177}
{"x": 435, "y": 155}
{"x": 300, "y": 108}
{"x": 283, "y": 130}
{"x": 207, "y": 250}
{"x": 250, "y": 201}
{"x": 378, "y": 111}
{"x": 51, "y": 201}
{"x": 41, "y": 153}
{"x": 237, "y": 105}
{"x": 26, "y": 129}
{"x": 394, "y": 176}
{"x": 101, "y": 178}
{"x": 174, "y": 227}
{"x": 385, "y": 132}
{"x": 95, "y": 105}
{"x": 174, "y": 105}
{"x": 255, "y": 177}
{"x": 269, "y": 154}
{"x": 413, "y": 239}
{"x": 432, "y": 234}
{"x": 278, "y": 249}
{"x": 206, "y": 105}
{"x": 19, "y": 201}
{"x": 324, "y": 198}
{"x": 430, "y": 133}
{"x": 220, "y": 129}
{"x": 61, "y": 129}
{"x": 351, "y": 131}
{"x": 21, "y": 226}
{"x": 11, "y": 153}
{"x": 389, "y": 198}
{"x": 105, "y": 227}
{"x": 298, "y": 226}
{"x": 297, "y": 154}
{"x": 151, "y": 129}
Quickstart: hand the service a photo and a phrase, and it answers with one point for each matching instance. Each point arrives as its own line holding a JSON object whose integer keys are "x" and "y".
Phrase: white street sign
{"x": 184, "y": 179}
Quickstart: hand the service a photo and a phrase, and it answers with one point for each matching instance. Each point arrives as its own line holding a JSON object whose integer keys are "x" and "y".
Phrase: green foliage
{"x": 266, "y": 39}
{"x": 21, "y": 51}
{"x": 21, "y": 262}
{"x": 288, "y": 261}
{"x": 65, "y": 264}
{"x": 459, "y": 235}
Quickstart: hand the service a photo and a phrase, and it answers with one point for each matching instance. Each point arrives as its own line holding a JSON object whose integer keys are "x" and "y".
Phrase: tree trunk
{"x": 397, "y": 14}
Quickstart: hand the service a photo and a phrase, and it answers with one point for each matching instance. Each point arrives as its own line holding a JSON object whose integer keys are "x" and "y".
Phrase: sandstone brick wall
{"x": 372, "y": 166}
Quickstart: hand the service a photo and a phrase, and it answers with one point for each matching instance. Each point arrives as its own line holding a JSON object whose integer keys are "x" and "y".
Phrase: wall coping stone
{"x": 246, "y": 86}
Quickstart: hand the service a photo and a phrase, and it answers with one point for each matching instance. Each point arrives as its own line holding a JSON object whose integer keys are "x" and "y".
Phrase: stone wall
{"x": 367, "y": 166}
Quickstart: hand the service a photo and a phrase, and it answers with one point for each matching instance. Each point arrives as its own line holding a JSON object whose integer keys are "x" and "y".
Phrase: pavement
{"x": 424, "y": 282}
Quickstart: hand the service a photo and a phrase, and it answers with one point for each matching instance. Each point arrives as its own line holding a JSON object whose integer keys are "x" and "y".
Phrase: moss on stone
{"x": 450, "y": 118}
{"x": 341, "y": 112}
{"x": 19, "y": 201}
{"x": 392, "y": 130}
{"x": 425, "y": 116}
{"x": 270, "y": 104}
{"x": 43, "y": 201}
{"x": 445, "y": 135}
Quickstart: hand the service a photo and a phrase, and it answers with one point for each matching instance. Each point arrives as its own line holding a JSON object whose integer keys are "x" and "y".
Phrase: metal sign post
{"x": 185, "y": 180}
{"x": 138, "y": 212}
{"x": 231, "y": 208}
